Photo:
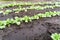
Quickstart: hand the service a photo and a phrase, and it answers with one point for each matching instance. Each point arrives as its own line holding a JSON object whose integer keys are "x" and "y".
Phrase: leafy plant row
{"x": 27, "y": 19}
{"x": 55, "y": 36}
{"x": 26, "y": 3}
{"x": 17, "y": 10}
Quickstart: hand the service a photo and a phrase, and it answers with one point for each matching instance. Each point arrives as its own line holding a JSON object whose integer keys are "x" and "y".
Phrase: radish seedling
{"x": 55, "y": 36}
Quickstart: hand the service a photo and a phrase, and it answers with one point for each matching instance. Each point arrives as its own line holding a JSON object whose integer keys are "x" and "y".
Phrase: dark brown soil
{"x": 36, "y": 30}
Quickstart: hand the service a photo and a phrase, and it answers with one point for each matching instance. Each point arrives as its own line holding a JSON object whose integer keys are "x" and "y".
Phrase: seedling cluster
{"x": 18, "y": 20}
{"x": 17, "y": 10}
{"x": 26, "y": 3}
{"x": 55, "y": 36}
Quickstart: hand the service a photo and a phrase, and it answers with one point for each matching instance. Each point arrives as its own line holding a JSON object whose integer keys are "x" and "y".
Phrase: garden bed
{"x": 35, "y": 24}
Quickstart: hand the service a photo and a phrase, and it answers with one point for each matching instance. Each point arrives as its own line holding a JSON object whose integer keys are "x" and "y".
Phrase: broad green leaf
{"x": 1, "y": 27}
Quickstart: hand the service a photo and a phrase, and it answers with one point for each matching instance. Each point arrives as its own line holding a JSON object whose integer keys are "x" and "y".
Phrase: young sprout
{"x": 25, "y": 10}
{"x": 17, "y": 20}
{"x": 1, "y": 27}
{"x": 36, "y": 17}
{"x": 17, "y": 12}
{"x": 55, "y": 36}
{"x": 58, "y": 13}
{"x": 48, "y": 14}
{"x": 7, "y": 12}
{"x": 26, "y": 18}
{"x": 52, "y": 13}
{"x": 43, "y": 15}
{"x": 8, "y": 21}
{"x": 1, "y": 12}
{"x": 2, "y": 24}
{"x": 12, "y": 21}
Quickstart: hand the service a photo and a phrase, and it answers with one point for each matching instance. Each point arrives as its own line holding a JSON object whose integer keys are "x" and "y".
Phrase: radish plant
{"x": 55, "y": 36}
{"x": 7, "y": 12}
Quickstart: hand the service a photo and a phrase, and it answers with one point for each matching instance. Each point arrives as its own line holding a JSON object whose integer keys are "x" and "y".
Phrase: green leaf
{"x": 43, "y": 15}
{"x": 26, "y": 20}
{"x": 8, "y": 21}
{"x": 11, "y": 5}
{"x": 25, "y": 10}
{"x": 12, "y": 21}
{"x": 1, "y": 27}
{"x": 40, "y": 15}
{"x": 7, "y": 12}
{"x": 1, "y": 12}
{"x": 36, "y": 17}
{"x": 17, "y": 19}
{"x": 17, "y": 12}
{"x": 55, "y": 36}
{"x": 58, "y": 13}
{"x": 4, "y": 23}
{"x": 18, "y": 23}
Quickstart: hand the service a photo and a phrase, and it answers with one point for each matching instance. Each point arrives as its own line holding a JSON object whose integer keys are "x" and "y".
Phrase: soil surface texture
{"x": 36, "y": 30}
